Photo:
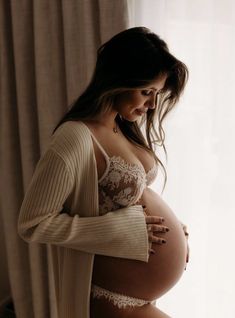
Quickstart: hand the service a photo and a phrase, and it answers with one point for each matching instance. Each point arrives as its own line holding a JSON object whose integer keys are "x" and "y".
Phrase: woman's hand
{"x": 152, "y": 226}
{"x": 187, "y": 235}
{"x": 185, "y": 229}
{"x": 187, "y": 258}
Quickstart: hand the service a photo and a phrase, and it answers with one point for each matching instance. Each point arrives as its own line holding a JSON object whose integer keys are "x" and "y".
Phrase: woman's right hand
{"x": 154, "y": 225}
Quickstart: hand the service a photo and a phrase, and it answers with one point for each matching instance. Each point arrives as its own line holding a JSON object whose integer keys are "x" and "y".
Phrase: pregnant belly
{"x": 164, "y": 268}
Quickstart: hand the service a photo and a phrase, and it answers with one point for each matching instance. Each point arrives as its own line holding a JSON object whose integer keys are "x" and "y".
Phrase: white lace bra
{"x": 122, "y": 183}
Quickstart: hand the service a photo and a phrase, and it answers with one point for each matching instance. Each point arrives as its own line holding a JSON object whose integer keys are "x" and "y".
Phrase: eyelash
{"x": 147, "y": 93}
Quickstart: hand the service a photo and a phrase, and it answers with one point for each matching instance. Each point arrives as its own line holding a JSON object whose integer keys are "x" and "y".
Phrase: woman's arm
{"x": 42, "y": 218}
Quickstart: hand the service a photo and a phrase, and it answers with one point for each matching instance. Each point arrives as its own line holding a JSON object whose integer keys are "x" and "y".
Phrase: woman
{"x": 89, "y": 198}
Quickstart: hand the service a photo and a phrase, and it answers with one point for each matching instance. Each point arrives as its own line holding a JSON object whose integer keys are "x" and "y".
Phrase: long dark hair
{"x": 132, "y": 59}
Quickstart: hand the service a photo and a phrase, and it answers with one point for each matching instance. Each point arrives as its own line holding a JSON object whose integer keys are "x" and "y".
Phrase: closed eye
{"x": 148, "y": 93}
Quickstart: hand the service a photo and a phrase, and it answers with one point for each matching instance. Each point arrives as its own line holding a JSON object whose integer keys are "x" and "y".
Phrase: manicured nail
{"x": 144, "y": 206}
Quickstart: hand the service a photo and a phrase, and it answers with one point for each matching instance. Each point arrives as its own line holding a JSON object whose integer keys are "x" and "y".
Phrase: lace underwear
{"x": 119, "y": 300}
{"x": 122, "y": 183}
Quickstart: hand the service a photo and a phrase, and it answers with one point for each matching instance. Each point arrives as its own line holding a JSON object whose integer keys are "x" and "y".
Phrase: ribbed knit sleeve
{"x": 42, "y": 218}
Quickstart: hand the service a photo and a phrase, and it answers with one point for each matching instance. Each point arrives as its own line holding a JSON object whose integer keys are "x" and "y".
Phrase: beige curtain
{"x": 48, "y": 50}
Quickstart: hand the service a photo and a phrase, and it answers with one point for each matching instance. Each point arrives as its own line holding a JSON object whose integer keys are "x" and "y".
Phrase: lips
{"x": 141, "y": 112}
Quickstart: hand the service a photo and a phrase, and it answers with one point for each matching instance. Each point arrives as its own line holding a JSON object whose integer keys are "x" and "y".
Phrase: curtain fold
{"x": 48, "y": 53}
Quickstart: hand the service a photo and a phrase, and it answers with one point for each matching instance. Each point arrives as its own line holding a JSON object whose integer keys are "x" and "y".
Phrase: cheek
{"x": 129, "y": 102}
{"x": 137, "y": 100}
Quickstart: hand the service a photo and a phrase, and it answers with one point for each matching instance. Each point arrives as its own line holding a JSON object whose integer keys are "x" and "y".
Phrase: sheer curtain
{"x": 200, "y": 144}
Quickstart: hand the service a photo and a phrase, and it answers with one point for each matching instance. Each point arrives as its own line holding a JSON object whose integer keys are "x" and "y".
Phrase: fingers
{"x": 150, "y": 248}
{"x": 187, "y": 258}
{"x": 157, "y": 228}
{"x": 151, "y": 251}
{"x": 185, "y": 230}
{"x": 153, "y": 219}
{"x": 155, "y": 239}
{"x": 152, "y": 227}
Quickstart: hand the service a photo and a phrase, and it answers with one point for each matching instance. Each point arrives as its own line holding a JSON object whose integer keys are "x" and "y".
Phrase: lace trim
{"x": 122, "y": 184}
{"x": 151, "y": 174}
{"x": 119, "y": 163}
{"x": 122, "y": 301}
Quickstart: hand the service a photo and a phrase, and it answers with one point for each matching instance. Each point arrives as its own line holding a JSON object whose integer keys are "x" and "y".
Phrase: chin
{"x": 132, "y": 118}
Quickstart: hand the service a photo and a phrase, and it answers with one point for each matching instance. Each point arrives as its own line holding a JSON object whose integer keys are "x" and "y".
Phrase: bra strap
{"x": 98, "y": 144}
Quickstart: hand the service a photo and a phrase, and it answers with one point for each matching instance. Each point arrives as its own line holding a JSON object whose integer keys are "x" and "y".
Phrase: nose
{"x": 151, "y": 102}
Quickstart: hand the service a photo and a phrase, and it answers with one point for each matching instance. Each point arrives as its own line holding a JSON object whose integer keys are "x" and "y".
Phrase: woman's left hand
{"x": 187, "y": 257}
{"x": 187, "y": 235}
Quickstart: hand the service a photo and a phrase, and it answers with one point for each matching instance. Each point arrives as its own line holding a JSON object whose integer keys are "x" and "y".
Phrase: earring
{"x": 120, "y": 116}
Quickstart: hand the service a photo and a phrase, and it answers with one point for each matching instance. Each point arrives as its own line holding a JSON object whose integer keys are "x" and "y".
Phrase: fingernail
{"x": 144, "y": 206}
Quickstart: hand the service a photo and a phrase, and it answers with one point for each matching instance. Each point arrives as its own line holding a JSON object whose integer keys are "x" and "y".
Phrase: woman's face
{"x": 133, "y": 104}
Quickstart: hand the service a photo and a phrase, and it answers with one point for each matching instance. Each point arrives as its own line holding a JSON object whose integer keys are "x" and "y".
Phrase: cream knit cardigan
{"x": 61, "y": 209}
